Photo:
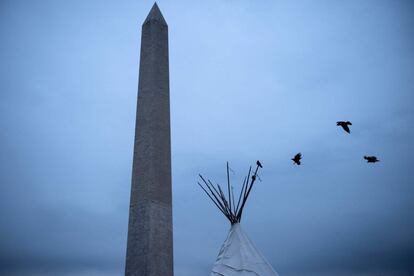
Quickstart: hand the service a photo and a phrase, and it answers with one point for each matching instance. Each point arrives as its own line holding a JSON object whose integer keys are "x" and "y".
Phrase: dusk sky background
{"x": 248, "y": 80}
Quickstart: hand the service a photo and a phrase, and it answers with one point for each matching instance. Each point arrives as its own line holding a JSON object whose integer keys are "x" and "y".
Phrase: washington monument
{"x": 150, "y": 237}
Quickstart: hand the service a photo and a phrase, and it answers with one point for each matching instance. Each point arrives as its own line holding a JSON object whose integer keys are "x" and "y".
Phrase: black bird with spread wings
{"x": 297, "y": 158}
{"x": 371, "y": 159}
{"x": 344, "y": 125}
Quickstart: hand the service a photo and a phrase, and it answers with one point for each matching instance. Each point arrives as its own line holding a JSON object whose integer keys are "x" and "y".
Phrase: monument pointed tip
{"x": 155, "y": 15}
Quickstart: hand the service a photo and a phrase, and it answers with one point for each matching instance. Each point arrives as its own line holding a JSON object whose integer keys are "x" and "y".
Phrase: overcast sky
{"x": 249, "y": 80}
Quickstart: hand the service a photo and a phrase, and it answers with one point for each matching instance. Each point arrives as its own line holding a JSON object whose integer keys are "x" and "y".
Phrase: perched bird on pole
{"x": 259, "y": 164}
{"x": 297, "y": 158}
{"x": 344, "y": 125}
{"x": 371, "y": 159}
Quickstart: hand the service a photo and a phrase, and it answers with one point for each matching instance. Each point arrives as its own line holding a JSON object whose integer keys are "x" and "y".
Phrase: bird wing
{"x": 346, "y": 128}
{"x": 371, "y": 159}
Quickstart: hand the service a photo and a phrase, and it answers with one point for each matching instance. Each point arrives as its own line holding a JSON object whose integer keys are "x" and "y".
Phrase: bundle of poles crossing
{"x": 226, "y": 204}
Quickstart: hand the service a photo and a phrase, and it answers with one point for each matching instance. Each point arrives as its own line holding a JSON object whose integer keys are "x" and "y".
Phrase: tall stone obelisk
{"x": 150, "y": 239}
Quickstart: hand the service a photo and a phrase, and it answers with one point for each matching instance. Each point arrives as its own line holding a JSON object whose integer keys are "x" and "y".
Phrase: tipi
{"x": 238, "y": 256}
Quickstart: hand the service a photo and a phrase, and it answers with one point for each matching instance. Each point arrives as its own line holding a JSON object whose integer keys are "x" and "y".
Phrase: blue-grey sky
{"x": 249, "y": 80}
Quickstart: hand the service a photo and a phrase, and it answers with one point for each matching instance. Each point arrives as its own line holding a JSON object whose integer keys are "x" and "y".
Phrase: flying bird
{"x": 259, "y": 164}
{"x": 296, "y": 159}
{"x": 371, "y": 159}
{"x": 344, "y": 125}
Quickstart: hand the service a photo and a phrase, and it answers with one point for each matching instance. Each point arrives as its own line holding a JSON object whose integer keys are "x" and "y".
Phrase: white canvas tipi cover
{"x": 239, "y": 257}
